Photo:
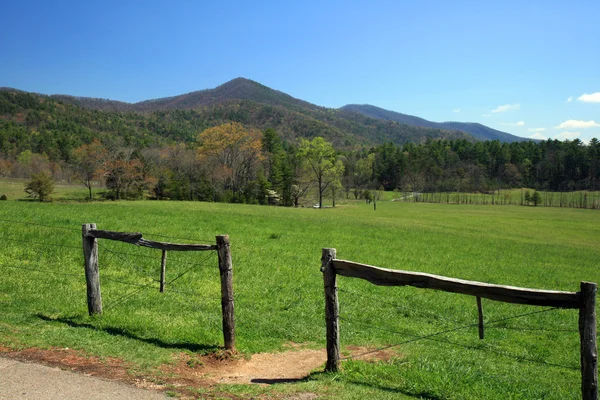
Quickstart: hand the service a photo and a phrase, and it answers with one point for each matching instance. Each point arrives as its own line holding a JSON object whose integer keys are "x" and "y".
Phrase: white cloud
{"x": 567, "y": 135}
{"x": 590, "y": 98}
{"x": 538, "y": 136}
{"x": 536, "y": 130}
{"x": 520, "y": 123}
{"x": 456, "y": 110}
{"x": 576, "y": 124}
{"x": 506, "y": 107}
{"x": 486, "y": 115}
{"x": 570, "y": 99}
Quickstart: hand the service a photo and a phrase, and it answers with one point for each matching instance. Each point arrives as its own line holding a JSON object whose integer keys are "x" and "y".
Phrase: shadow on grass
{"x": 273, "y": 381}
{"x": 124, "y": 333}
{"x": 419, "y": 395}
{"x": 425, "y": 395}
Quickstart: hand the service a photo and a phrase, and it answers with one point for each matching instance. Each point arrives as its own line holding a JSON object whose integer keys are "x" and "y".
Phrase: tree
{"x": 527, "y": 197}
{"x": 41, "y": 186}
{"x": 536, "y": 198}
{"x": 321, "y": 160}
{"x": 363, "y": 174}
{"x": 234, "y": 153}
{"x": 89, "y": 160}
{"x": 125, "y": 177}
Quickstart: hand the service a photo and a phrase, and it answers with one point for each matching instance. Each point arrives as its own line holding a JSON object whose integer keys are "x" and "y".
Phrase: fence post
{"x": 92, "y": 275}
{"x": 587, "y": 335}
{"x": 331, "y": 310}
{"x": 163, "y": 267}
{"x": 226, "y": 271}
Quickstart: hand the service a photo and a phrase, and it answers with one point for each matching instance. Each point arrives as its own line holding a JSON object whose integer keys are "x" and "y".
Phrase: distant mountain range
{"x": 479, "y": 131}
{"x": 255, "y": 105}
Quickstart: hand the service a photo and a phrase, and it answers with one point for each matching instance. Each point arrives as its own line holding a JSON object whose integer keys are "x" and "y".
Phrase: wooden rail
{"x": 137, "y": 239}
{"x": 584, "y": 301}
{"x": 90, "y": 236}
{"x": 507, "y": 294}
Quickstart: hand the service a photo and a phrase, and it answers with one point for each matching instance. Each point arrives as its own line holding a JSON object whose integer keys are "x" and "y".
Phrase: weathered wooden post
{"x": 587, "y": 335}
{"x": 226, "y": 271}
{"x": 163, "y": 267}
{"x": 331, "y": 310}
{"x": 92, "y": 275}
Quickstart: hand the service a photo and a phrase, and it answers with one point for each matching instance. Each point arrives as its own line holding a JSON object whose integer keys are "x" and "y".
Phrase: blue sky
{"x": 531, "y": 68}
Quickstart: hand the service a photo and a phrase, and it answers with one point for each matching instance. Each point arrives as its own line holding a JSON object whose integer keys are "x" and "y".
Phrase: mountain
{"x": 236, "y": 89}
{"x": 250, "y": 103}
{"x": 479, "y": 131}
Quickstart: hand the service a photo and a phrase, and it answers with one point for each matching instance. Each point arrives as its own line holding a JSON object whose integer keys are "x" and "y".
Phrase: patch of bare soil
{"x": 194, "y": 371}
{"x": 265, "y": 368}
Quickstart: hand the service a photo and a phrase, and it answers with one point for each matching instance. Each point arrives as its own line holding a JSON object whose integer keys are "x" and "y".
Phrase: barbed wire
{"x": 212, "y": 240}
{"x": 124, "y": 253}
{"x": 107, "y": 278}
{"x": 201, "y": 263}
{"x": 431, "y": 335}
{"x": 38, "y": 224}
{"x": 403, "y": 307}
{"x": 44, "y": 270}
{"x": 128, "y": 296}
{"x": 48, "y": 244}
{"x": 506, "y": 354}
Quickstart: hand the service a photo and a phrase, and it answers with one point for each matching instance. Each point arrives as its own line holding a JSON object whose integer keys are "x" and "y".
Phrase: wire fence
{"x": 139, "y": 272}
{"x": 47, "y": 254}
{"x": 438, "y": 335}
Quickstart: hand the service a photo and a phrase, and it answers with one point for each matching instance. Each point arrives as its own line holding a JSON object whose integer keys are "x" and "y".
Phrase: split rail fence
{"x": 90, "y": 236}
{"x": 584, "y": 301}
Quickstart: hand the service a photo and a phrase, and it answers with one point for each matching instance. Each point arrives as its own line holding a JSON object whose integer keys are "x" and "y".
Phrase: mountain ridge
{"x": 244, "y": 100}
{"x": 477, "y": 130}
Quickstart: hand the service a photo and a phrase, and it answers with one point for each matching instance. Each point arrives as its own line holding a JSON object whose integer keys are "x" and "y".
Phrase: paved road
{"x": 20, "y": 380}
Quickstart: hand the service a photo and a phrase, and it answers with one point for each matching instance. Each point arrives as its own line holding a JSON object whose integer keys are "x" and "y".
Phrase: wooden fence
{"x": 584, "y": 300}
{"x": 90, "y": 236}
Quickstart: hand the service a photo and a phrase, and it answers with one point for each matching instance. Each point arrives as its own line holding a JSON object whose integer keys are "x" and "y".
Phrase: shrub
{"x": 40, "y": 186}
{"x": 3, "y": 197}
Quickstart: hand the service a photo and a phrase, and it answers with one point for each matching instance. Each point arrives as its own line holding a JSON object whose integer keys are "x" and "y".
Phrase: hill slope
{"x": 181, "y": 118}
{"x": 479, "y": 131}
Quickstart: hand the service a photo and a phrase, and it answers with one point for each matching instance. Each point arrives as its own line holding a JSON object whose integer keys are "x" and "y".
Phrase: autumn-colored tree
{"x": 5, "y": 168}
{"x": 125, "y": 177}
{"x": 320, "y": 157}
{"x": 89, "y": 160}
{"x": 232, "y": 153}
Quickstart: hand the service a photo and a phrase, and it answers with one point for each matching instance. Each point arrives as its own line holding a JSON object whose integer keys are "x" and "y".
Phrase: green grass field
{"x": 515, "y": 197}
{"x": 14, "y": 189}
{"x": 279, "y": 291}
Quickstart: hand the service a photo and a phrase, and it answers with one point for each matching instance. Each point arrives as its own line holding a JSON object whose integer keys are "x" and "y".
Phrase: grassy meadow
{"x": 515, "y": 197}
{"x": 279, "y": 291}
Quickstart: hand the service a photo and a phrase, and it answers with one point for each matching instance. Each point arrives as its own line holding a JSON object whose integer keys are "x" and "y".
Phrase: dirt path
{"x": 21, "y": 380}
{"x": 70, "y": 374}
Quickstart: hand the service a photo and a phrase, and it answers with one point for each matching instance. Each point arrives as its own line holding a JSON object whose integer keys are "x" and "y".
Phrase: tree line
{"x": 234, "y": 163}
{"x": 217, "y": 156}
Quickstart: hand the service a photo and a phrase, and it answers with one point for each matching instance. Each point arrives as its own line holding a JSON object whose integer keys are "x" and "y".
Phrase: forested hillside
{"x": 245, "y": 151}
